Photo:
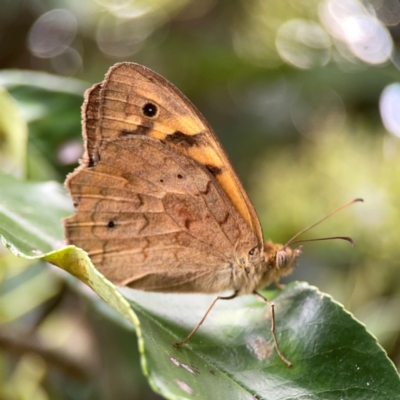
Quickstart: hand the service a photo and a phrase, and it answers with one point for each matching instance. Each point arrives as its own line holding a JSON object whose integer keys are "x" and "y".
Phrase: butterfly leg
{"x": 188, "y": 337}
{"x": 279, "y": 286}
{"x": 272, "y": 305}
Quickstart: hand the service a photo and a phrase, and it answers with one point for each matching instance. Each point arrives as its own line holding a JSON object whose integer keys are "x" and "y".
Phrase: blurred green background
{"x": 304, "y": 96}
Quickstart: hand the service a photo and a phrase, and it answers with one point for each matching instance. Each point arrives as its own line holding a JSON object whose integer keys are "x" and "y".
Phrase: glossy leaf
{"x": 232, "y": 355}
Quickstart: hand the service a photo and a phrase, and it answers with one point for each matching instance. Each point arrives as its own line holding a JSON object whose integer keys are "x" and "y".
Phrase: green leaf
{"x": 232, "y": 355}
{"x": 13, "y": 137}
{"x": 11, "y": 78}
{"x": 30, "y": 215}
{"x": 51, "y": 105}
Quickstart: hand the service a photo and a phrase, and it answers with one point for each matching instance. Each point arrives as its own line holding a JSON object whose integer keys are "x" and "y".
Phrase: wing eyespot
{"x": 111, "y": 224}
{"x": 150, "y": 110}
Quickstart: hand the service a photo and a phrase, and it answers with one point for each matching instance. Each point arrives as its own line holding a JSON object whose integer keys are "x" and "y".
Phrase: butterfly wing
{"x": 154, "y": 219}
{"x": 120, "y": 104}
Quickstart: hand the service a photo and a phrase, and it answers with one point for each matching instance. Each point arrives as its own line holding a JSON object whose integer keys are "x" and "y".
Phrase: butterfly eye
{"x": 150, "y": 110}
{"x": 282, "y": 259}
{"x": 252, "y": 251}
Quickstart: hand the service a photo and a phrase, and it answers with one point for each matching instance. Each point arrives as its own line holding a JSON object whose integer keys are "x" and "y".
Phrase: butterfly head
{"x": 258, "y": 267}
{"x": 281, "y": 259}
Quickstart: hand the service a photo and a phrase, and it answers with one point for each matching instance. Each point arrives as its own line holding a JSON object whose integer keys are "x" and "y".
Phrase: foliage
{"x": 230, "y": 357}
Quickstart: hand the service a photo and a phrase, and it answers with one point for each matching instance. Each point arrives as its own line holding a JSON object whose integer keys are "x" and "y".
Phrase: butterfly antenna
{"x": 292, "y": 240}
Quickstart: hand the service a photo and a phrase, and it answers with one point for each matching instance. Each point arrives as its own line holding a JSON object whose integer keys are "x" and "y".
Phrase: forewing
{"x": 128, "y": 87}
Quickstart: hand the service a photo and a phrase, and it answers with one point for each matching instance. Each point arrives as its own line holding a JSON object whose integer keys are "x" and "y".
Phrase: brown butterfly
{"x": 159, "y": 206}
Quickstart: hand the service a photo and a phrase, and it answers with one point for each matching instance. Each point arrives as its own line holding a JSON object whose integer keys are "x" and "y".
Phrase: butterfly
{"x": 159, "y": 206}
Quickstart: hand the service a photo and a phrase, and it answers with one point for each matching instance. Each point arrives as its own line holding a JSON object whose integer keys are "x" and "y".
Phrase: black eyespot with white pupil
{"x": 150, "y": 110}
{"x": 111, "y": 224}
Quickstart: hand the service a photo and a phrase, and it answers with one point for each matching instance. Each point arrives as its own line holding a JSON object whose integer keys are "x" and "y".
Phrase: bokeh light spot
{"x": 350, "y": 22}
{"x": 68, "y": 62}
{"x": 390, "y": 108}
{"x": 304, "y": 44}
{"x": 70, "y": 152}
{"x": 321, "y": 118}
{"x": 52, "y": 33}
{"x": 122, "y": 38}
